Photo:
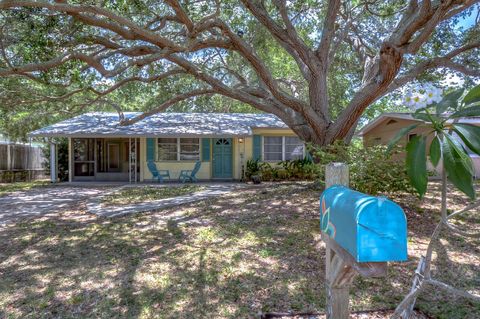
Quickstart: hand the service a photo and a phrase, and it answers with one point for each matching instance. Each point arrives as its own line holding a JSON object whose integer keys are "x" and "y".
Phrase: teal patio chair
{"x": 159, "y": 174}
{"x": 189, "y": 175}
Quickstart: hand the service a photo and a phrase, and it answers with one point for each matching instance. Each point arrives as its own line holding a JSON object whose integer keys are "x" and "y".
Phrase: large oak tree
{"x": 317, "y": 65}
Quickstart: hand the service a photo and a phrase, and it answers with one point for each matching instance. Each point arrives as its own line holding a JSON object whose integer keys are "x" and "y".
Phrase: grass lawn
{"x": 255, "y": 250}
{"x": 132, "y": 195}
{"x": 6, "y": 188}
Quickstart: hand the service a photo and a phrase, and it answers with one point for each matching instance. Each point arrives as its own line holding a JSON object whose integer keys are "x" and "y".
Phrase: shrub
{"x": 253, "y": 168}
{"x": 301, "y": 169}
{"x": 372, "y": 169}
{"x": 62, "y": 144}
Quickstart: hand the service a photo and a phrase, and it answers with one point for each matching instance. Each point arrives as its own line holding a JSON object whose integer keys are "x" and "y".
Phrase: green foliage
{"x": 33, "y": 35}
{"x": 300, "y": 169}
{"x": 417, "y": 163}
{"x": 435, "y": 151}
{"x": 253, "y": 168}
{"x": 372, "y": 169}
{"x": 62, "y": 147}
{"x": 472, "y": 96}
{"x": 457, "y": 163}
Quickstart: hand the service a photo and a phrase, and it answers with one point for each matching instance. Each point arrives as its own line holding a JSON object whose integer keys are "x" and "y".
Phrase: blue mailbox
{"x": 371, "y": 229}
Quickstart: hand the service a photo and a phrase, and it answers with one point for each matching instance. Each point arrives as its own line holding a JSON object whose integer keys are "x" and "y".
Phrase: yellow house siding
{"x": 173, "y": 166}
{"x": 273, "y": 132}
{"x": 241, "y": 153}
{"x": 269, "y": 132}
{"x": 248, "y": 148}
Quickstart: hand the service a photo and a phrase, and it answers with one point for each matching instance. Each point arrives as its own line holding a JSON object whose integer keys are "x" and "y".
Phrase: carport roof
{"x": 102, "y": 124}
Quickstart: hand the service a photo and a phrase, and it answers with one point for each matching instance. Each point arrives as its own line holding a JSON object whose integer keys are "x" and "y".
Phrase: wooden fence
{"x": 21, "y": 162}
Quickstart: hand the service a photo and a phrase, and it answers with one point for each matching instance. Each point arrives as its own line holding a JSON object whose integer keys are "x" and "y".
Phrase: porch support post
{"x": 70, "y": 160}
{"x": 136, "y": 157}
{"x": 9, "y": 157}
{"x": 53, "y": 162}
{"x": 130, "y": 160}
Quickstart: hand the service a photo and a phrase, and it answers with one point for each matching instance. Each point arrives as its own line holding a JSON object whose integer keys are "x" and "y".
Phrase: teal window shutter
{"x": 205, "y": 149}
{"x": 150, "y": 149}
{"x": 308, "y": 156}
{"x": 257, "y": 147}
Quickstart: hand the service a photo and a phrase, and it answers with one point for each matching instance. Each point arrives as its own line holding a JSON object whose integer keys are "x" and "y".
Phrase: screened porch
{"x": 105, "y": 159}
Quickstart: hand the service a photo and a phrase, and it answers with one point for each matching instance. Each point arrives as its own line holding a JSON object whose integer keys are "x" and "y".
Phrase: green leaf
{"x": 468, "y": 112}
{"x": 435, "y": 151}
{"x": 399, "y": 135}
{"x": 417, "y": 164}
{"x": 458, "y": 165}
{"x": 421, "y": 116}
{"x": 472, "y": 96}
{"x": 449, "y": 100}
{"x": 426, "y": 117}
{"x": 470, "y": 135}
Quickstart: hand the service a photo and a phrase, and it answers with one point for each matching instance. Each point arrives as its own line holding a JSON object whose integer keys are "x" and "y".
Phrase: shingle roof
{"x": 98, "y": 124}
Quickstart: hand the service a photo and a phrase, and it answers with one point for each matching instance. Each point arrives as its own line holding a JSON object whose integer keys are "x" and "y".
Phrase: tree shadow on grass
{"x": 253, "y": 251}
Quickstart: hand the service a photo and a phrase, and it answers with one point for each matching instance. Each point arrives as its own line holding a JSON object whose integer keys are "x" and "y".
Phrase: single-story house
{"x": 383, "y": 128}
{"x": 100, "y": 149}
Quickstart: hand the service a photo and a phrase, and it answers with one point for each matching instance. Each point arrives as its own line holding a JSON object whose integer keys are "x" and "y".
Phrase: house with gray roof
{"x": 102, "y": 149}
{"x": 385, "y": 127}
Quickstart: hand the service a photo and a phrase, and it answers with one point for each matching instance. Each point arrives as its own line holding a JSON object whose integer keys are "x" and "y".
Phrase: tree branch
{"x": 302, "y": 55}
{"x": 328, "y": 32}
{"x": 165, "y": 105}
{"x": 445, "y": 61}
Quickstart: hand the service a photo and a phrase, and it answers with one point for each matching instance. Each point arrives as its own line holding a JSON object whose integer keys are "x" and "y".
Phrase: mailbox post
{"x": 361, "y": 234}
{"x": 337, "y": 292}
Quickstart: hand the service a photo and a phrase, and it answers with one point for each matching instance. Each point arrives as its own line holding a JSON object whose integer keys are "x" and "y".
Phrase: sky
{"x": 469, "y": 21}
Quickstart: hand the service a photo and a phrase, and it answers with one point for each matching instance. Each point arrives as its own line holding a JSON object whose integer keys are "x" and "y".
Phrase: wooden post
{"x": 9, "y": 158}
{"x": 70, "y": 160}
{"x": 338, "y": 274}
{"x": 53, "y": 163}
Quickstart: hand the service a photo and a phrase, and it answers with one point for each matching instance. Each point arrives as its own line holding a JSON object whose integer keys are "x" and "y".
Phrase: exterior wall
{"x": 269, "y": 132}
{"x": 173, "y": 166}
{"x": 242, "y": 151}
{"x": 273, "y": 132}
{"x": 384, "y": 133}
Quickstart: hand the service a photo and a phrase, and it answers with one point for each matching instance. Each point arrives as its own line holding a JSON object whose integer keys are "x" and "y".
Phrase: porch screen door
{"x": 113, "y": 157}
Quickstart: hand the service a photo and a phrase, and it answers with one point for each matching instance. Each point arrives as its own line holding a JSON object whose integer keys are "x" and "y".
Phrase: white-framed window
{"x": 294, "y": 148}
{"x": 178, "y": 149}
{"x": 189, "y": 149}
{"x": 281, "y": 148}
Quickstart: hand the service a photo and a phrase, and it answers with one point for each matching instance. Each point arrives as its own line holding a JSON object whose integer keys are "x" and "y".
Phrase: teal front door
{"x": 222, "y": 158}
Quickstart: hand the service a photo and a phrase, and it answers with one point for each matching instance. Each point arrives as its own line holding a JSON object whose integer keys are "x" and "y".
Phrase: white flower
{"x": 433, "y": 94}
{"x": 422, "y": 96}
{"x": 409, "y": 100}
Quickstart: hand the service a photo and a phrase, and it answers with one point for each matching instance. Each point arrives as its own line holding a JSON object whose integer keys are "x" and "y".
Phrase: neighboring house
{"x": 382, "y": 129}
{"x": 100, "y": 149}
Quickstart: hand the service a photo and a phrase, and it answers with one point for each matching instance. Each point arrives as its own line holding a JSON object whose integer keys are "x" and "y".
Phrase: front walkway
{"x": 95, "y": 206}
{"x": 54, "y": 199}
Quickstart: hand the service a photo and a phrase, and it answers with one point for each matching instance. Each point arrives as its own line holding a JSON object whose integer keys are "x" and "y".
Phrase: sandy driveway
{"x": 40, "y": 201}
